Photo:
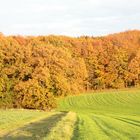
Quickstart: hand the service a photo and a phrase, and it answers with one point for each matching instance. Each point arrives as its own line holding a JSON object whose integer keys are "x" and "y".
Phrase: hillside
{"x": 99, "y": 116}
{"x": 34, "y": 71}
{"x": 105, "y": 116}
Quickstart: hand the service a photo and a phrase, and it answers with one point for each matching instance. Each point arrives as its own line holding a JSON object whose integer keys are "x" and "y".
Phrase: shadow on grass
{"x": 36, "y": 130}
{"x": 76, "y": 130}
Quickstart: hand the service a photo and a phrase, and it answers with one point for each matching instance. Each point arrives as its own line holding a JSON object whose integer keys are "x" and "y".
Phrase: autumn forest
{"x": 34, "y": 71}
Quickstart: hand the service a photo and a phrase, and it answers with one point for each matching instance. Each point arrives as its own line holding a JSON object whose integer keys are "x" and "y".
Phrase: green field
{"x": 100, "y": 116}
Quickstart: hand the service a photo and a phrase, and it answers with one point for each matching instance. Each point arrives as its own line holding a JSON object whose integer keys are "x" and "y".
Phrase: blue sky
{"x": 68, "y": 17}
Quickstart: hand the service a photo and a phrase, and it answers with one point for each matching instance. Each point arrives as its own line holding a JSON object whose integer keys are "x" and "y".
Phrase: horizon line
{"x": 33, "y": 35}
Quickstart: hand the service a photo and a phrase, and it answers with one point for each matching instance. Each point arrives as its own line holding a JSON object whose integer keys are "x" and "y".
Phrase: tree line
{"x": 34, "y": 71}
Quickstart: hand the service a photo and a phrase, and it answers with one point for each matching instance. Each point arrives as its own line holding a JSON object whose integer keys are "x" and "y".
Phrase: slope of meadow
{"x": 101, "y": 116}
{"x": 105, "y": 116}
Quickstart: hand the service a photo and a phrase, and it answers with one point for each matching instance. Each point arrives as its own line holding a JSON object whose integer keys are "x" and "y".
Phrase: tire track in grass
{"x": 86, "y": 129}
{"x": 77, "y": 129}
{"x": 128, "y": 121}
{"x": 125, "y": 132}
{"x": 108, "y": 130}
{"x": 128, "y": 132}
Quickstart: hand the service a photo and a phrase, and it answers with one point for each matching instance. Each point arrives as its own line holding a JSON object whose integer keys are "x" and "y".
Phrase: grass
{"x": 113, "y": 115}
{"x": 13, "y": 119}
{"x": 64, "y": 129}
{"x": 105, "y": 116}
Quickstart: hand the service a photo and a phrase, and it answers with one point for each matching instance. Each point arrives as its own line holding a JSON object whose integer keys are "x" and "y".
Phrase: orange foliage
{"x": 35, "y": 70}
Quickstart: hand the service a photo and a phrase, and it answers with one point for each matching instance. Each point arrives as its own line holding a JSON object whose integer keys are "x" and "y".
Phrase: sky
{"x": 68, "y": 17}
